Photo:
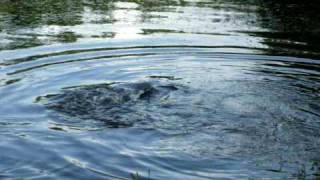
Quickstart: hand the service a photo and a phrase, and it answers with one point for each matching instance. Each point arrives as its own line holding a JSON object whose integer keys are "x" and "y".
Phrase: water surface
{"x": 167, "y": 89}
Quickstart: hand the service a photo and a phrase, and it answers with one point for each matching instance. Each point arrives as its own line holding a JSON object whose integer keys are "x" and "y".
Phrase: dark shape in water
{"x": 115, "y": 104}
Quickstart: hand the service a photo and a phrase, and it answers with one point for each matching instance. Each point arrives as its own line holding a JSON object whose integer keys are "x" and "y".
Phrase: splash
{"x": 117, "y": 104}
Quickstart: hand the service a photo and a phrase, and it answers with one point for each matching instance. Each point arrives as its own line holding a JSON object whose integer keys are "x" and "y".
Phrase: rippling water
{"x": 167, "y": 89}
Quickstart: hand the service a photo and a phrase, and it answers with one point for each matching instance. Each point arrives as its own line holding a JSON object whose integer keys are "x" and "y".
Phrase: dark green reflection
{"x": 293, "y": 27}
{"x": 288, "y": 27}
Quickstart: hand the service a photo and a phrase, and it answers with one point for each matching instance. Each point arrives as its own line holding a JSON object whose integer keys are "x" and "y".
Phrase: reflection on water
{"x": 284, "y": 27}
{"x": 168, "y": 89}
{"x": 293, "y": 27}
{"x": 31, "y": 23}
